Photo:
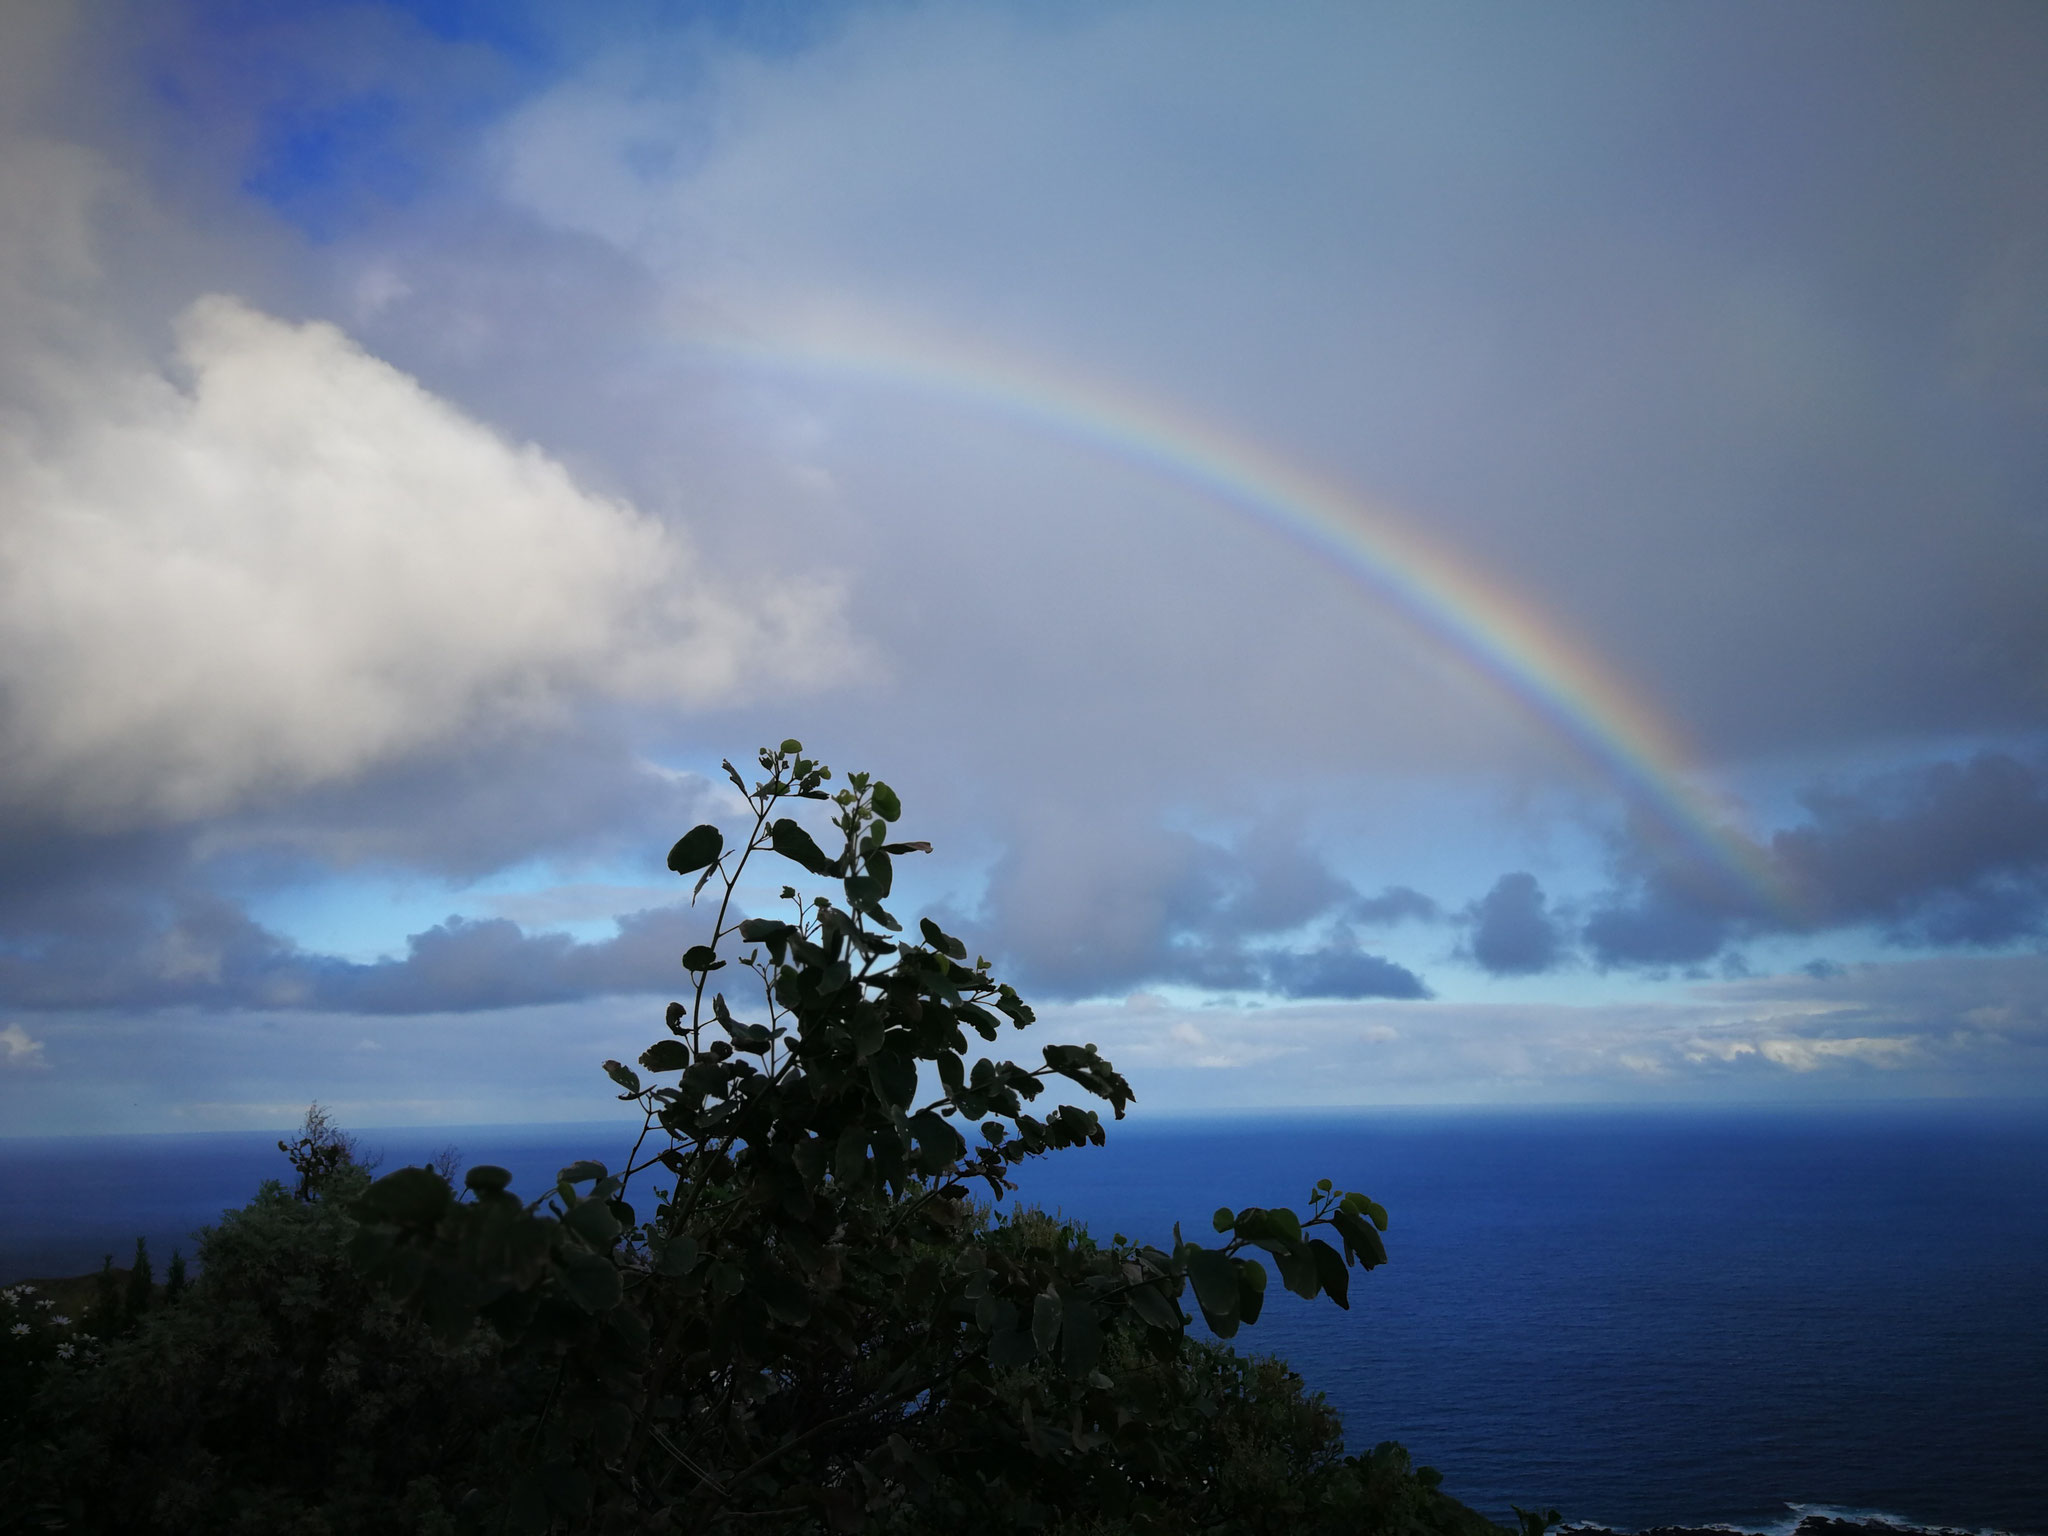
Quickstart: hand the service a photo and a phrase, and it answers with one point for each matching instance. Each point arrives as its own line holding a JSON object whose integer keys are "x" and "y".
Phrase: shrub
{"x": 814, "y": 1327}
{"x": 811, "y": 1326}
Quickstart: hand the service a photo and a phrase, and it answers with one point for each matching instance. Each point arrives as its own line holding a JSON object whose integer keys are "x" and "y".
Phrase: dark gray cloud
{"x": 206, "y": 951}
{"x": 156, "y": 918}
{"x": 1952, "y": 854}
{"x": 1077, "y": 911}
{"x": 1340, "y": 969}
{"x": 1514, "y": 932}
{"x": 1395, "y": 904}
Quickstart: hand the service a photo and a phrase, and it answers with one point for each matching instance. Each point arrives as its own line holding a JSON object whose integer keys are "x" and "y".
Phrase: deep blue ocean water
{"x": 1637, "y": 1317}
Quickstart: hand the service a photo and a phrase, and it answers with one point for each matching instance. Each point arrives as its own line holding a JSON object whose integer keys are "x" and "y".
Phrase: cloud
{"x": 1080, "y": 910}
{"x": 300, "y": 565}
{"x": 1395, "y": 904}
{"x": 1513, "y": 930}
{"x": 206, "y": 951}
{"x": 19, "y": 1053}
{"x": 1339, "y": 969}
{"x": 1945, "y": 1027}
{"x": 1952, "y": 853}
{"x": 579, "y": 796}
{"x": 1946, "y": 854}
{"x": 1387, "y": 238}
{"x": 1807, "y": 1055}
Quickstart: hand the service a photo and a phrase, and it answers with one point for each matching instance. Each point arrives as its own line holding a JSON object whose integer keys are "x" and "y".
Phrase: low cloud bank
{"x": 1081, "y": 908}
{"x": 1947, "y": 855}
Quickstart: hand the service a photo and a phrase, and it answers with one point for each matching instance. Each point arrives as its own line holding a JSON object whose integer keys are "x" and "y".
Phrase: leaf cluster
{"x": 793, "y": 1308}
{"x": 805, "y": 1320}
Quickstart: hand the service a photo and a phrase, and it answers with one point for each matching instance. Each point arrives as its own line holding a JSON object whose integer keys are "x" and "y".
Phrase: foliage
{"x": 321, "y": 1153}
{"x": 35, "y": 1336}
{"x": 141, "y": 1283}
{"x": 813, "y": 1328}
{"x": 283, "y": 1393}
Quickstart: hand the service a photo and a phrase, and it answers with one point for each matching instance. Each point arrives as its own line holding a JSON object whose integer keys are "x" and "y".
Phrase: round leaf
{"x": 697, "y": 848}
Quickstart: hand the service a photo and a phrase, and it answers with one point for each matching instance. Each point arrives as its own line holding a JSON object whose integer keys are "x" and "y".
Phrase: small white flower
{"x": 46, "y": 1303}
{"x": 61, "y": 1320}
{"x": 64, "y": 1351}
{"x": 18, "y": 1329}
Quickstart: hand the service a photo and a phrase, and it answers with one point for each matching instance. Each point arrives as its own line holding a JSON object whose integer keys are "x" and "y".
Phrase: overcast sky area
{"x": 1400, "y": 555}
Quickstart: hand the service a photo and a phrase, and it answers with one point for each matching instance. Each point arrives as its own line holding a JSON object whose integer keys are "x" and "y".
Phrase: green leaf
{"x": 794, "y": 843}
{"x": 1224, "y": 1219}
{"x": 1251, "y": 1290}
{"x": 1215, "y": 1281}
{"x": 894, "y": 1076}
{"x": 1154, "y": 1309}
{"x": 787, "y": 1301}
{"x": 1332, "y": 1271}
{"x": 623, "y": 1075}
{"x": 593, "y": 1221}
{"x": 1009, "y": 1348}
{"x": 791, "y": 747}
{"x": 938, "y": 1143}
{"x": 850, "y": 1156}
{"x": 1297, "y": 1269}
{"x": 701, "y": 958}
{"x": 1360, "y": 1237}
{"x": 886, "y": 805}
{"x": 679, "y": 1256}
{"x": 1359, "y": 1205}
{"x": 582, "y": 1171}
{"x": 1274, "y": 1228}
{"x": 408, "y": 1197}
{"x": 665, "y": 1056}
{"x": 940, "y": 940}
{"x": 1080, "y": 1338}
{"x": 696, "y": 848}
{"x": 588, "y": 1278}
{"x": 1045, "y": 1321}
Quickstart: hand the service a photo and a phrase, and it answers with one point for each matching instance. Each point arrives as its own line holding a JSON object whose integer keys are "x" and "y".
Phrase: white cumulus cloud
{"x": 19, "y": 1051}
{"x": 282, "y": 561}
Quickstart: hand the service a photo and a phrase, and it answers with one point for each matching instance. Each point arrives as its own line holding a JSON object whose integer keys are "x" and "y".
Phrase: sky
{"x": 1400, "y": 555}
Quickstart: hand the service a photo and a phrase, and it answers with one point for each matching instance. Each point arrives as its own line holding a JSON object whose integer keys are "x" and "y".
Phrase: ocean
{"x": 1640, "y": 1318}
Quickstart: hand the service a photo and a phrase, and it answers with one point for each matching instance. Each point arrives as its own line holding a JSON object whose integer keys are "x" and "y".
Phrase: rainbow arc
{"x": 1496, "y": 631}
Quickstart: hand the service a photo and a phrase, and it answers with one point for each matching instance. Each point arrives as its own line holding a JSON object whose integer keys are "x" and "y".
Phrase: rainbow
{"x": 1497, "y": 633}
